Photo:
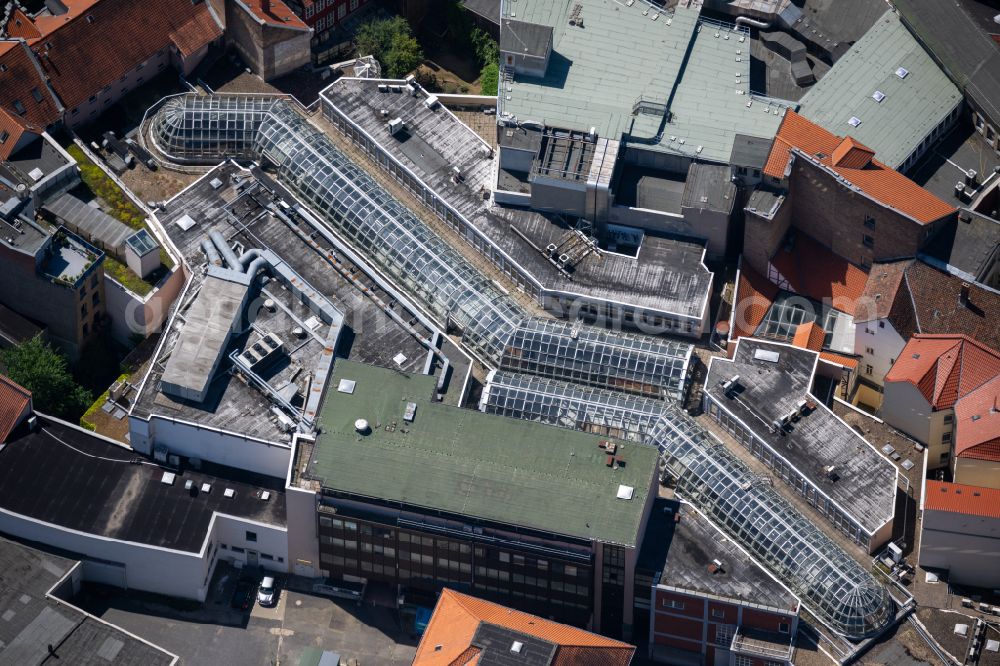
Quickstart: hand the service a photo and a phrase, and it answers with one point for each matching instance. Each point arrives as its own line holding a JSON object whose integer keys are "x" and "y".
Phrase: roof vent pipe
{"x": 213, "y": 255}
{"x": 226, "y": 251}
{"x": 252, "y": 261}
{"x": 746, "y": 20}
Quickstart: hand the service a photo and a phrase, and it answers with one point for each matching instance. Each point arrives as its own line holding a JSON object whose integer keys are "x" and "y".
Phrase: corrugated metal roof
{"x": 911, "y": 107}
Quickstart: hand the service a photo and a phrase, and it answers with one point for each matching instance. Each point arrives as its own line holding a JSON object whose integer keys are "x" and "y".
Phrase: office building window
{"x": 251, "y": 536}
{"x": 724, "y": 634}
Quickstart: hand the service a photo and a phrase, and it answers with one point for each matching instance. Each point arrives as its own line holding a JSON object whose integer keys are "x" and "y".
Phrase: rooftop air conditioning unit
{"x": 396, "y": 125}
{"x": 431, "y": 101}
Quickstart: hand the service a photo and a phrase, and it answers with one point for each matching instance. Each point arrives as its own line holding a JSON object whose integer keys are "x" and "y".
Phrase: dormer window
{"x": 19, "y": 107}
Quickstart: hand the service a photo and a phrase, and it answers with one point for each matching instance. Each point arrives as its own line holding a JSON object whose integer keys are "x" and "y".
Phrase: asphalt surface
{"x": 213, "y": 634}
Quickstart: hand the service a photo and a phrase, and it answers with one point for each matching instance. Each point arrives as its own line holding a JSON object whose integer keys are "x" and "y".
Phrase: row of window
{"x": 347, "y": 528}
{"x": 240, "y": 550}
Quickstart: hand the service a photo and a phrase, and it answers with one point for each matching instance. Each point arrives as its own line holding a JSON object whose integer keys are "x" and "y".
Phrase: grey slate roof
{"x": 750, "y": 151}
{"x": 912, "y": 107}
{"x": 488, "y": 9}
{"x": 865, "y": 489}
{"x": 84, "y": 488}
{"x": 969, "y": 56}
{"x": 529, "y": 39}
{"x": 971, "y": 243}
{"x": 92, "y": 223}
{"x": 32, "y": 621}
{"x": 691, "y": 544}
{"x": 708, "y": 186}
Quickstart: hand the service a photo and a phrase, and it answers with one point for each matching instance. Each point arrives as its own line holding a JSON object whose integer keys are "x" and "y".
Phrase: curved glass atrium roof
{"x": 833, "y": 585}
{"x": 200, "y": 128}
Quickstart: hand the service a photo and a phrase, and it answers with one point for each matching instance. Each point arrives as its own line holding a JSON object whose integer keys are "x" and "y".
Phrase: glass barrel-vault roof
{"x": 564, "y": 350}
{"x": 206, "y": 128}
{"x": 834, "y": 586}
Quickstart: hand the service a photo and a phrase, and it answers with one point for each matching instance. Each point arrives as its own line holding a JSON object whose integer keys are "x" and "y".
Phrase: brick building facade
{"x": 837, "y": 193}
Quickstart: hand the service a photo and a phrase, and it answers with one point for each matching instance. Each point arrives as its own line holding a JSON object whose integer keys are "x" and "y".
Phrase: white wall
{"x": 905, "y": 408}
{"x": 224, "y": 448}
{"x": 131, "y": 313}
{"x": 886, "y": 345}
{"x": 151, "y": 568}
{"x": 974, "y": 472}
{"x": 271, "y": 540}
{"x": 968, "y": 547}
{"x": 147, "y": 568}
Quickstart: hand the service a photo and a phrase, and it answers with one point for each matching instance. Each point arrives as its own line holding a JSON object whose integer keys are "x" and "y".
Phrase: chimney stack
{"x": 963, "y": 296}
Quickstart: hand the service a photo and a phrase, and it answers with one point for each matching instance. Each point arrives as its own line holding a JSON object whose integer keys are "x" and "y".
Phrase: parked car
{"x": 340, "y": 589}
{"x": 243, "y": 594}
{"x": 267, "y": 593}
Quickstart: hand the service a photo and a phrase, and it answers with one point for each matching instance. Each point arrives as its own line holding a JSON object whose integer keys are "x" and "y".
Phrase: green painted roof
{"x": 598, "y": 72}
{"x": 912, "y": 108}
{"x": 475, "y": 464}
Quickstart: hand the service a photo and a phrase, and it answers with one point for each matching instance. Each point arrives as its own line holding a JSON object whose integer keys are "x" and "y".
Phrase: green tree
{"x": 485, "y": 47}
{"x": 403, "y": 57}
{"x": 489, "y": 79}
{"x": 42, "y": 370}
{"x": 392, "y": 43}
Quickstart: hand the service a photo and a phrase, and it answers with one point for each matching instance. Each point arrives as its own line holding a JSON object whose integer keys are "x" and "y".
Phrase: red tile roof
{"x": 754, "y": 296}
{"x": 277, "y": 14}
{"x": 447, "y": 640}
{"x": 13, "y": 400}
{"x": 809, "y": 335}
{"x": 96, "y": 43}
{"x": 852, "y": 161}
{"x": 852, "y": 155}
{"x": 816, "y": 272}
{"x": 977, "y": 423}
{"x": 960, "y": 498}
{"x": 21, "y": 83}
{"x": 21, "y": 25}
{"x": 839, "y": 359}
{"x": 945, "y": 368}
{"x": 11, "y": 131}
{"x": 880, "y": 291}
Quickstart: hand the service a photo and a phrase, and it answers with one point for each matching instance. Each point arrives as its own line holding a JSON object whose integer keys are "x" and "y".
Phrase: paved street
{"x": 213, "y": 634}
